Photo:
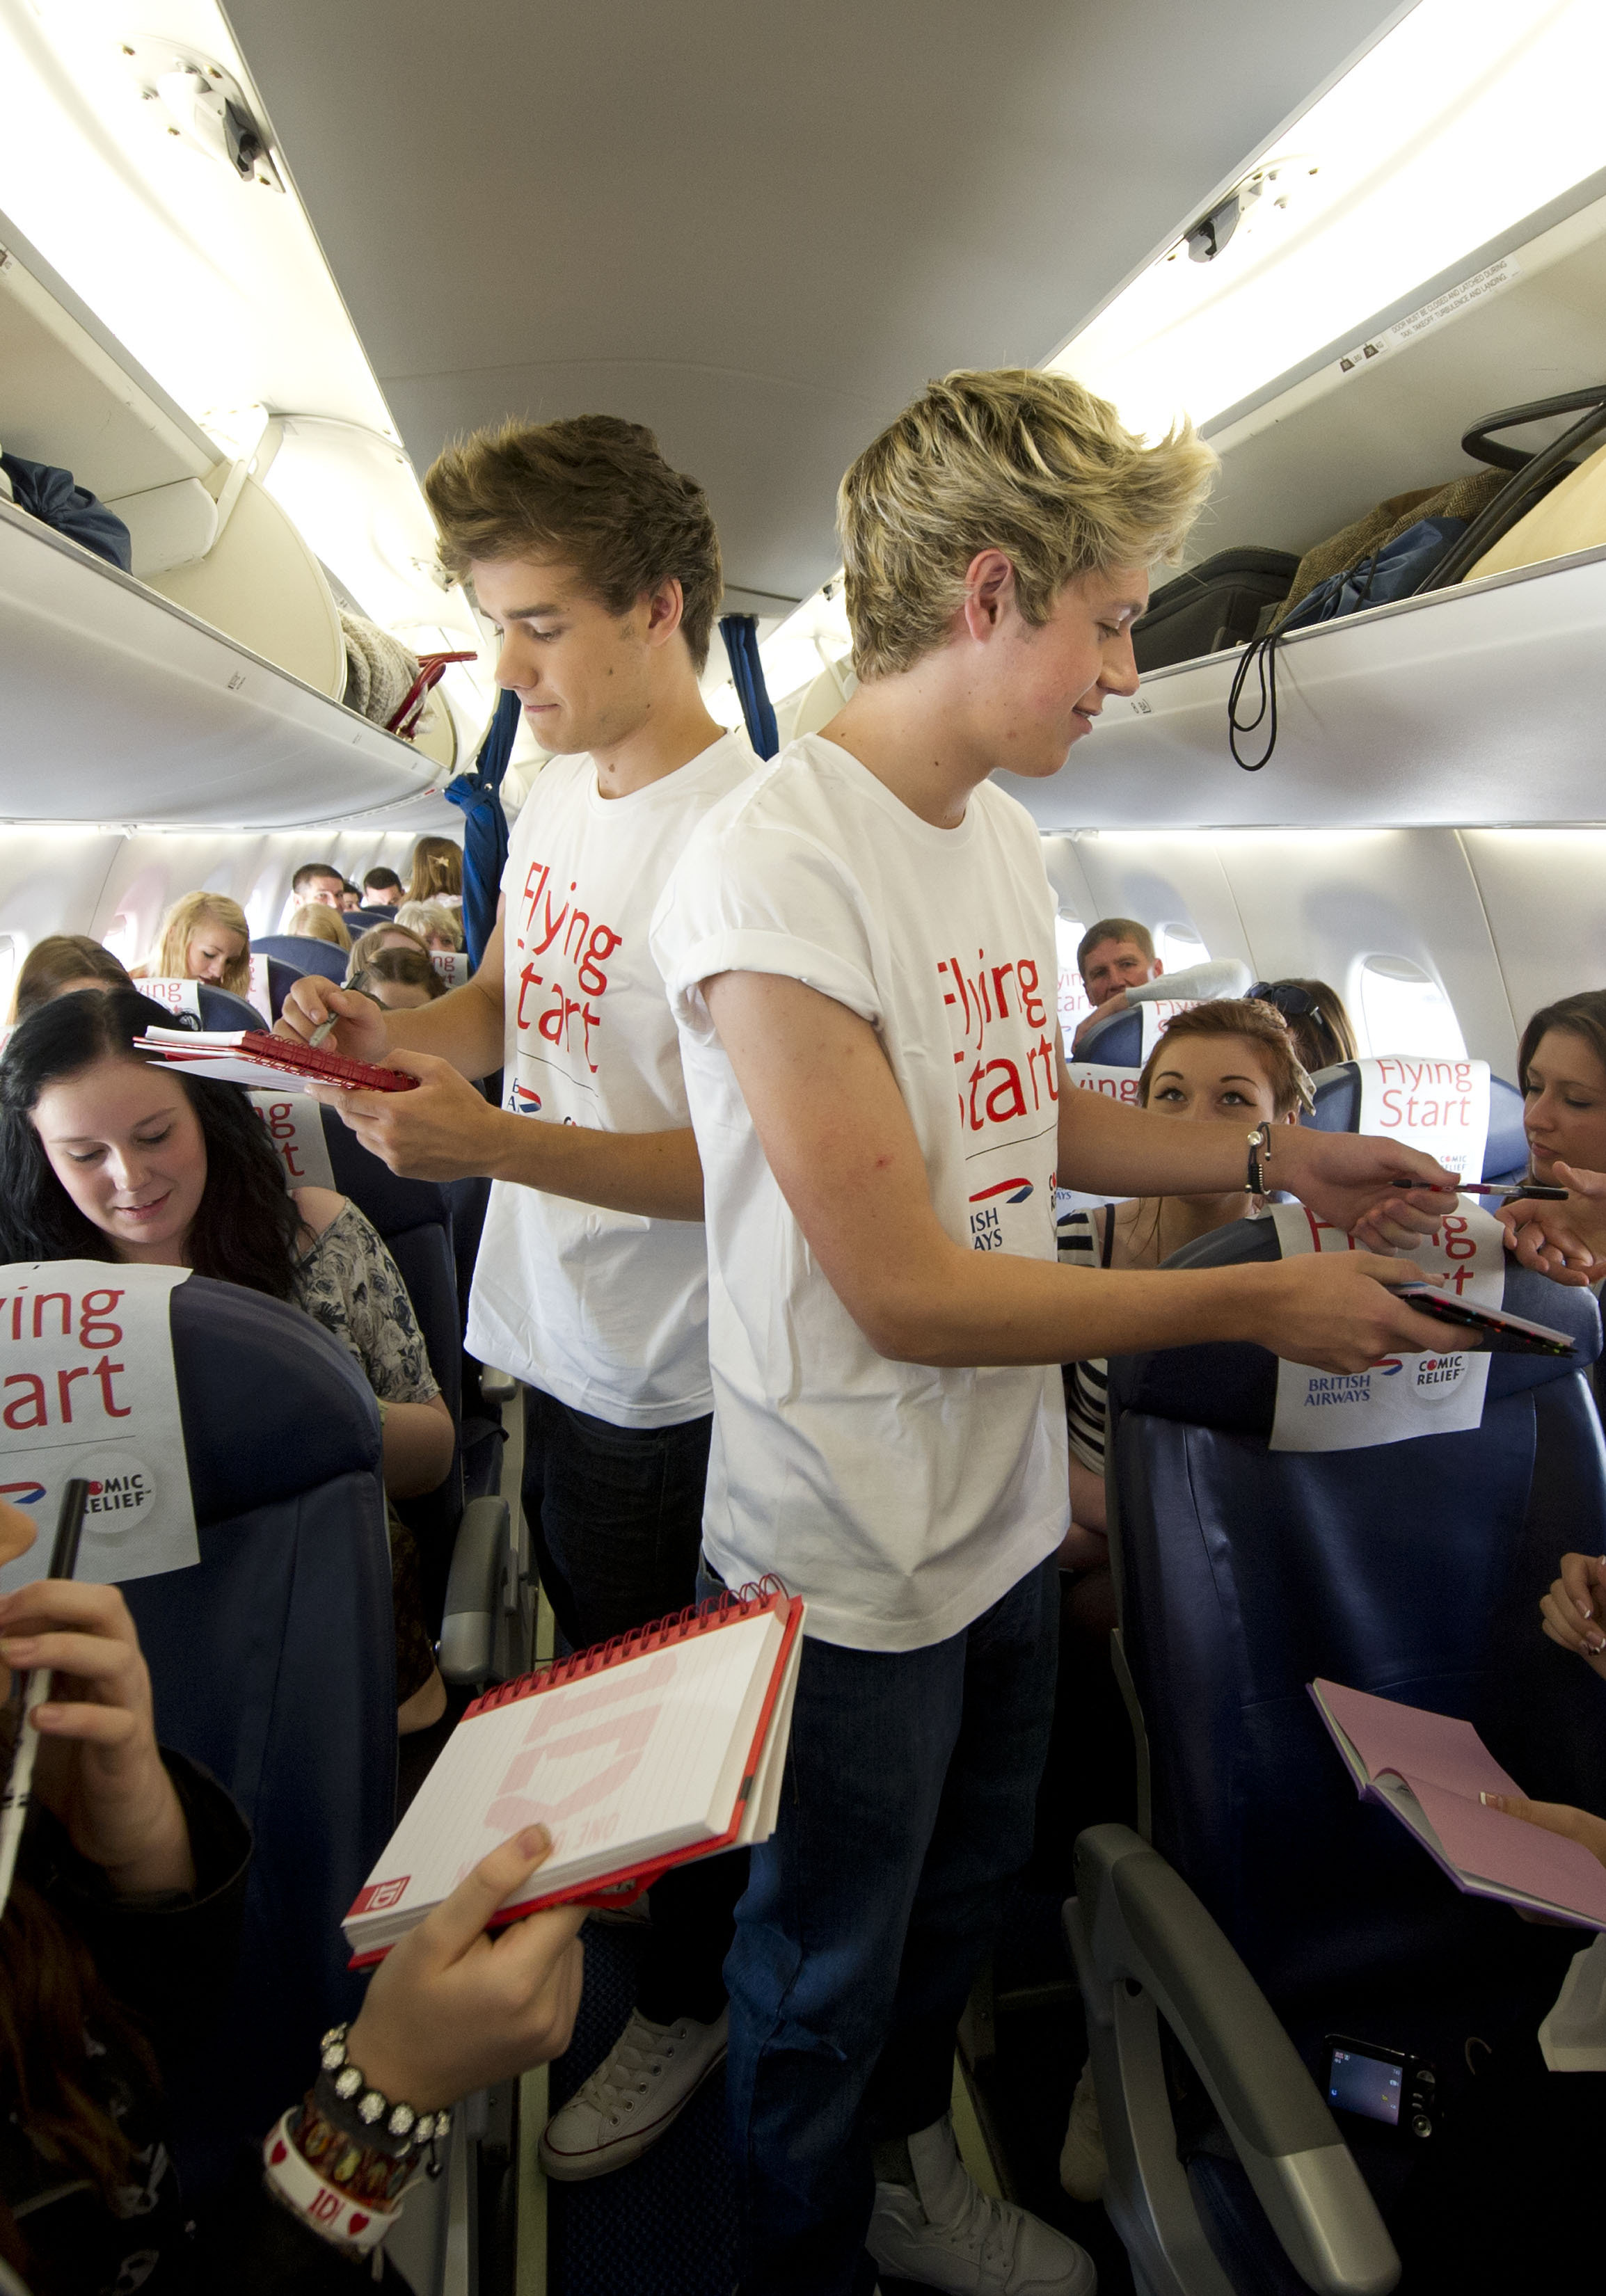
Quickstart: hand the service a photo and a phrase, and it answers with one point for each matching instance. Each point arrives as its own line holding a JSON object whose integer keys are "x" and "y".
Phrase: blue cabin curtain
{"x": 740, "y": 635}
{"x": 479, "y": 794}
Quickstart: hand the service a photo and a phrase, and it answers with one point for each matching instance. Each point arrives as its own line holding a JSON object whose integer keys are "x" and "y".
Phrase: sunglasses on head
{"x": 1293, "y": 1004}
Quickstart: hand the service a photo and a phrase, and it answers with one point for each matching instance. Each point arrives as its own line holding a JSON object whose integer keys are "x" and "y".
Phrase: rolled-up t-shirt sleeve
{"x": 796, "y": 915}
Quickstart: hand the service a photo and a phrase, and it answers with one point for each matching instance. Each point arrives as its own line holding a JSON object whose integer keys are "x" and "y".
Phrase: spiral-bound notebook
{"x": 251, "y": 1056}
{"x": 665, "y": 1745}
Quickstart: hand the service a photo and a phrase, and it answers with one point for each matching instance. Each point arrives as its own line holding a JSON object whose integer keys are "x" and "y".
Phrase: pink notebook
{"x": 1430, "y": 1769}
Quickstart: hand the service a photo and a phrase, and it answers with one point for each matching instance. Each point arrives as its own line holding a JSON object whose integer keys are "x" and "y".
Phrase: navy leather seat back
{"x": 1411, "y": 1570}
{"x": 1338, "y": 1108}
{"x": 306, "y": 954}
{"x": 362, "y": 921}
{"x": 1116, "y": 1043}
{"x": 414, "y": 1218}
{"x": 282, "y": 978}
{"x": 222, "y": 1012}
{"x": 273, "y": 1663}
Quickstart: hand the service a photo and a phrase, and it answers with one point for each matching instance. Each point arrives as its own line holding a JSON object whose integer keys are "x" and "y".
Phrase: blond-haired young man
{"x": 600, "y": 565}
{"x": 860, "y": 948}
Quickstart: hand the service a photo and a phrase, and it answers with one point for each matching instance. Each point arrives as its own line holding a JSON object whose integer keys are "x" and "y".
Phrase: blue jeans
{"x": 907, "y": 1806}
{"x": 615, "y": 1515}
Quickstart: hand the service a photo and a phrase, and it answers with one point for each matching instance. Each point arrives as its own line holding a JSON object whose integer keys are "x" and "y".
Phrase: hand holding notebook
{"x": 636, "y": 1756}
{"x": 1430, "y": 1770}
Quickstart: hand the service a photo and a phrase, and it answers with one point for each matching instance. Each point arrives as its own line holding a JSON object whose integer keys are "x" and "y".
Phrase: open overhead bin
{"x": 119, "y": 706}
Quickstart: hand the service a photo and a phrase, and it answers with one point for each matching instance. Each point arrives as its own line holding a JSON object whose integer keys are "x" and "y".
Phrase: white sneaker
{"x": 1083, "y": 2164}
{"x": 647, "y": 2077}
{"x": 953, "y": 2237}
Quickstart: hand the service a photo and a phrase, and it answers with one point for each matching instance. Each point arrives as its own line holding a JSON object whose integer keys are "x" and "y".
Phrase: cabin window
{"x": 1072, "y": 997}
{"x": 1402, "y": 1009}
{"x": 1177, "y": 947}
{"x": 122, "y": 937}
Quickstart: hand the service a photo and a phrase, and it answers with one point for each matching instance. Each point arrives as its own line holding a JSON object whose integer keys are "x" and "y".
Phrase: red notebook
{"x": 251, "y": 1056}
{"x": 664, "y": 1746}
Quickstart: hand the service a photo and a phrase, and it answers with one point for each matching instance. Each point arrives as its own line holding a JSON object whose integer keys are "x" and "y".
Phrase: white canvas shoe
{"x": 649, "y": 2075}
{"x": 949, "y": 2235}
{"x": 1083, "y": 2166}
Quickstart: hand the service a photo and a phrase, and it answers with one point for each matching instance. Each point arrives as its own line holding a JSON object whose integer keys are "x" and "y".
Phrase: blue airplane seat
{"x": 1116, "y": 1043}
{"x": 414, "y": 1218}
{"x": 221, "y": 1011}
{"x": 1338, "y": 1108}
{"x": 273, "y": 1663}
{"x": 282, "y": 978}
{"x": 363, "y": 920}
{"x": 482, "y": 1428}
{"x": 305, "y": 953}
{"x": 1269, "y": 1906}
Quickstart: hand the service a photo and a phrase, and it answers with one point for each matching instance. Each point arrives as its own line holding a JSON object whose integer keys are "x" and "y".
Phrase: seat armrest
{"x": 497, "y": 1386}
{"x": 1134, "y": 1921}
{"x": 480, "y": 1561}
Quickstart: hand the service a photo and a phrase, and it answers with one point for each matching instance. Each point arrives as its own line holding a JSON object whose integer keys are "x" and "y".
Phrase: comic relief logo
{"x": 1438, "y": 1375}
{"x": 523, "y": 1101}
{"x": 27, "y": 1494}
{"x": 122, "y": 1490}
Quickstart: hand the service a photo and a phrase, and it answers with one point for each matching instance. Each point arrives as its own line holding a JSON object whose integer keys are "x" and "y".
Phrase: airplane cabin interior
{"x": 261, "y": 262}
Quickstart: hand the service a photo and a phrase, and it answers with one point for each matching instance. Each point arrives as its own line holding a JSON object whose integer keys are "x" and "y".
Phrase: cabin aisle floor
{"x": 666, "y": 2225}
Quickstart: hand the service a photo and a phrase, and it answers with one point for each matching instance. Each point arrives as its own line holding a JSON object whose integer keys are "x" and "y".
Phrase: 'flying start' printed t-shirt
{"x": 605, "y": 1310}
{"x": 901, "y": 1501}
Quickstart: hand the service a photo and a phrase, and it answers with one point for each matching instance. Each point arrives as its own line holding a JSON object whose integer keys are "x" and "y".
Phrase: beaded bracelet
{"x": 1260, "y": 1156}
{"x": 346, "y": 2099}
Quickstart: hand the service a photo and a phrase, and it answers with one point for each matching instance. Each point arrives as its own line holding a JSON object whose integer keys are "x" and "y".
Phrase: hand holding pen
{"x": 88, "y": 1725}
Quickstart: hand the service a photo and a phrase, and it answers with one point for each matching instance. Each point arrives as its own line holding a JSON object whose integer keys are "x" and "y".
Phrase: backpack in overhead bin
{"x": 1220, "y": 602}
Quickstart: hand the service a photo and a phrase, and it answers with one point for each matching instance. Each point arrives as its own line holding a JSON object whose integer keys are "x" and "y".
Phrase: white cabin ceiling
{"x": 758, "y": 229}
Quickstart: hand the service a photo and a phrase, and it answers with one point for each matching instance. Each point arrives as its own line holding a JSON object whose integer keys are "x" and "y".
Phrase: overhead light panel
{"x": 1466, "y": 117}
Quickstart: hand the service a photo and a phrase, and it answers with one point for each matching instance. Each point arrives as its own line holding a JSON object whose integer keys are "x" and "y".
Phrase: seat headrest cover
{"x": 1234, "y": 1385}
{"x": 272, "y": 1406}
{"x": 1116, "y": 1043}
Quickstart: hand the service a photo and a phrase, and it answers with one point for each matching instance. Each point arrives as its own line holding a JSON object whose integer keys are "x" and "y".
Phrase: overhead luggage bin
{"x": 119, "y": 706}
{"x": 1471, "y": 706}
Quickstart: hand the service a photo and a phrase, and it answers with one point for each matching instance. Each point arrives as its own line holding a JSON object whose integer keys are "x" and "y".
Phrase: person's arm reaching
{"x": 447, "y": 1131}
{"x": 1221, "y": 976}
{"x": 838, "y": 1141}
{"x": 1371, "y": 1188}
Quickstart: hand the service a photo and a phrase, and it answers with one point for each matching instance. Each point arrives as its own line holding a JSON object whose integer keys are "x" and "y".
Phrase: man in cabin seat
{"x": 382, "y": 889}
{"x": 860, "y": 948}
{"x": 1119, "y": 968}
{"x": 600, "y": 565}
{"x": 317, "y": 880}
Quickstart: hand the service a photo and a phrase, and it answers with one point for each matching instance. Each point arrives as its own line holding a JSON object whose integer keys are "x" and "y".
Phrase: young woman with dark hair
{"x": 401, "y": 980}
{"x": 105, "y": 1154}
{"x": 115, "y": 1950}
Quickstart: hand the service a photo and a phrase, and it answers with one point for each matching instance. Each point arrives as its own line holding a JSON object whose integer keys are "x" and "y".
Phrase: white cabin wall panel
{"x": 50, "y": 879}
{"x": 1542, "y": 892}
{"x": 145, "y": 872}
{"x": 1165, "y": 879}
{"x": 1313, "y": 903}
{"x": 1062, "y": 859}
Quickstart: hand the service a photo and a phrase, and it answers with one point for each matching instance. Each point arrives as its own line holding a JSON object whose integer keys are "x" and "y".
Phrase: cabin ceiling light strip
{"x": 1470, "y": 115}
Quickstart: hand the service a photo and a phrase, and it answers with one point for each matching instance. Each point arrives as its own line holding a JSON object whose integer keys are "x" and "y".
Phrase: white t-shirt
{"x": 605, "y": 1310}
{"x": 900, "y": 1501}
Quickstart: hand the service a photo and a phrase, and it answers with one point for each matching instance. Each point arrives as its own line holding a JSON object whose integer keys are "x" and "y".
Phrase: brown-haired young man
{"x": 601, "y": 566}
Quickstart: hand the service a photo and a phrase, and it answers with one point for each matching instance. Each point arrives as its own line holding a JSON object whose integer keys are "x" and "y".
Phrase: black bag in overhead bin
{"x": 1219, "y": 602}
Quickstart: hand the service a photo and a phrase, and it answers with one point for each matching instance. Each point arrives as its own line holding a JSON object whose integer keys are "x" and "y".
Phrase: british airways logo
{"x": 22, "y": 1494}
{"x": 1014, "y": 1192}
{"x": 525, "y": 1103}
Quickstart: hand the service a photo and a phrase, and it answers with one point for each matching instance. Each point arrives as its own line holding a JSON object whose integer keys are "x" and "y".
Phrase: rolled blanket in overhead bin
{"x": 55, "y": 498}
{"x": 1366, "y": 538}
{"x": 379, "y": 669}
